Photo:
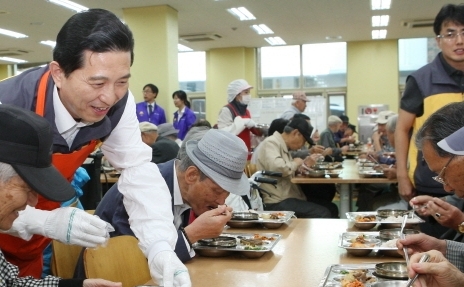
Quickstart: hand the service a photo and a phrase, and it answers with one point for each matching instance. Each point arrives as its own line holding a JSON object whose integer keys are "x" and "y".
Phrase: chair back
{"x": 250, "y": 169}
{"x": 120, "y": 261}
{"x": 64, "y": 259}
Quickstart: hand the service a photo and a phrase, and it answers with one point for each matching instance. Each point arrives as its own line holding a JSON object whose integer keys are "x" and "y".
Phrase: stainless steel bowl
{"x": 334, "y": 173}
{"x": 245, "y": 216}
{"x": 221, "y": 241}
{"x": 384, "y": 213}
{"x": 388, "y": 234}
{"x": 241, "y": 223}
{"x": 392, "y": 270}
{"x": 365, "y": 225}
{"x": 272, "y": 225}
{"x": 322, "y": 165}
{"x": 316, "y": 173}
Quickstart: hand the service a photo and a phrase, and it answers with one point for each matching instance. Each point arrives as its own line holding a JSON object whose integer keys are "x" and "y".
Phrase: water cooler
{"x": 367, "y": 115}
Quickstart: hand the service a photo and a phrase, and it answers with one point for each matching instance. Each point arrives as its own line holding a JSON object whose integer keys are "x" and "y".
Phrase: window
{"x": 324, "y": 65}
{"x": 199, "y": 108}
{"x": 413, "y": 54}
{"x": 192, "y": 71}
{"x": 337, "y": 104}
{"x": 280, "y": 67}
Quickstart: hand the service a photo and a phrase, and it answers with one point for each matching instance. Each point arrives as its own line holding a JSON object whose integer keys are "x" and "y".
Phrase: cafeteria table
{"x": 300, "y": 258}
{"x": 348, "y": 177}
{"x": 106, "y": 178}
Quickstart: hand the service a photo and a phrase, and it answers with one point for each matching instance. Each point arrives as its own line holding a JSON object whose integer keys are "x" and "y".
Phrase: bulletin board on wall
{"x": 265, "y": 110}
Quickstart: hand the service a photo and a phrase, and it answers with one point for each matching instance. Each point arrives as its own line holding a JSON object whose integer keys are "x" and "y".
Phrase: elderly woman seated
{"x": 26, "y": 171}
{"x": 328, "y": 139}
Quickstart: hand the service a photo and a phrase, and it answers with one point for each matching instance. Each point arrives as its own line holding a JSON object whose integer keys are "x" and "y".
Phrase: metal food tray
{"x": 351, "y": 216}
{"x": 345, "y": 242}
{"x": 333, "y": 274}
{"x": 287, "y": 217}
{"x": 267, "y": 246}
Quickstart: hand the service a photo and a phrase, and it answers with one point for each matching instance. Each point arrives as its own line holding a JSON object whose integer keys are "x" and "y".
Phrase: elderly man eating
{"x": 26, "y": 170}
{"x": 199, "y": 181}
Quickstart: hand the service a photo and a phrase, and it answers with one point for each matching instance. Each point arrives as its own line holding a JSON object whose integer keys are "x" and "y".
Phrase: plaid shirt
{"x": 9, "y": 277}
{"x": 455, "y": 254}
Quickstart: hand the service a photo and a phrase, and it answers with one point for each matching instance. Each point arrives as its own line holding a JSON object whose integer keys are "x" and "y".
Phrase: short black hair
{"x": 301, "y": 115}
{"x": 95, "y": 30}
{"x": 352, "y": 127}
{"x": 345, "y": 119}
{"x": 448, "y": 13}
{"x": 277, "y": 125}
{"x": 152, "y": 87}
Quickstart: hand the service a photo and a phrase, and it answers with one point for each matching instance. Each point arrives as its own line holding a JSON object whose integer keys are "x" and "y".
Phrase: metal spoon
{"x": 402, "y": 236}
{"x": 425, "y": 258}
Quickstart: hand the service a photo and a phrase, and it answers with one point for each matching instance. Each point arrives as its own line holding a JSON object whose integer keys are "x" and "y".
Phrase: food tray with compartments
{"x": 372, "y": 243}
{"x": 269, "y": 219}
{"x": 334, "y": 274}
{"x": 359, "y": 220}
{"x": 268, "y": 241}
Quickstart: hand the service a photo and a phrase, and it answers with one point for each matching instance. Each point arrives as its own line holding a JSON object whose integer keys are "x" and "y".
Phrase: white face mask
{"x": 245, "y": 99}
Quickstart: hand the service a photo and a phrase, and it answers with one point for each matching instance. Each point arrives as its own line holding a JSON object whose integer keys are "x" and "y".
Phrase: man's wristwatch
{"x": 461, "y": 227}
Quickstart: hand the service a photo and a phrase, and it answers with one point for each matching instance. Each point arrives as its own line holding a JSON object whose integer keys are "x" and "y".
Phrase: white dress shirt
{"x": 150, "y": 217}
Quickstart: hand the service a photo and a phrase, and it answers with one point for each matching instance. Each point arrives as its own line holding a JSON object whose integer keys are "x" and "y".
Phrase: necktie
{"x": 150, "y": 109}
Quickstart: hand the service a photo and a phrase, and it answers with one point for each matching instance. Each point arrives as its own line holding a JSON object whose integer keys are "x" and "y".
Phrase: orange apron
{"x": 27, "y": 255}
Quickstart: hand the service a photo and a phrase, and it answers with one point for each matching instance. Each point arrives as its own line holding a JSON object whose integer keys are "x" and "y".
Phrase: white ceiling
{"x": 295, "y": 21}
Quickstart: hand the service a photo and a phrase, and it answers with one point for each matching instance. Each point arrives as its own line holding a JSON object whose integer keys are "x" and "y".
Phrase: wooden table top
{"x": 105, "y": 178}
{"x": 300, "y": 258}
{"x": 349, "y": 174}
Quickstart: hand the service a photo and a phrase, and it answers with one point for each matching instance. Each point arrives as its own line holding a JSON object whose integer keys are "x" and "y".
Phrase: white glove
{"x": 250, "y": 124}
{"x": 67, "y": 224}
{"x": 169, "y": 271}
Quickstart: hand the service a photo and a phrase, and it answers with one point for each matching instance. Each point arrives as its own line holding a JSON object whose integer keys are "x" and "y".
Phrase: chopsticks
{"x": 425, "y": 258}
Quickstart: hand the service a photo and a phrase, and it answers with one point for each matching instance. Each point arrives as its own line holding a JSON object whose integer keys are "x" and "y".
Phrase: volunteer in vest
{"x": 84, "y": 95}
{"x": 235, "y": 117}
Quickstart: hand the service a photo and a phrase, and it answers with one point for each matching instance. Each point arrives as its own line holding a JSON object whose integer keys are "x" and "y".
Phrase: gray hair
{"x": 6, "y": 172}
{"x": 391, "y": 124}
{"x": 440, "y": 125}
{"x": 334, "y": 120}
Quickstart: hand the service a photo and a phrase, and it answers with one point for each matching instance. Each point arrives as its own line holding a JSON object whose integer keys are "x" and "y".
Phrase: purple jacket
{"x": 184, "y": 123}
{"x": 157, "y": 117}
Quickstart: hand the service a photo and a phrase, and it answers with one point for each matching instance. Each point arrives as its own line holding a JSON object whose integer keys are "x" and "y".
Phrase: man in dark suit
{"x": 163, "y": 149}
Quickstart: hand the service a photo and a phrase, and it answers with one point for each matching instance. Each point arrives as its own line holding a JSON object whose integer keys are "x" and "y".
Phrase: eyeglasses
{"x": 451, "y": 36}
{"x": 147, "y": 92}
{"x": 439, "y": 178}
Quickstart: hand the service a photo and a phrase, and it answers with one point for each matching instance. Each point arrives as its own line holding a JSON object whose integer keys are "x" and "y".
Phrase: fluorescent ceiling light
{"x": 262, "y": 29}
{"x": 379, "y": 34}
{"x": 380, "y": 20}
{"x": 241, "y": 13}
{"x": 12, "y": 34}
{"x": 182, "y": 48}
{"x": 380, "y": 4}
{"x": 8, "y": 59}
{"x": 69, "y": 4}
{"x": 274, "y": 41}
{"x": 48, "y": 43}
